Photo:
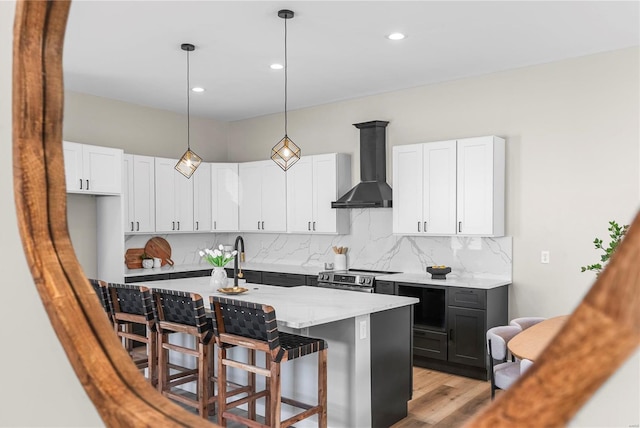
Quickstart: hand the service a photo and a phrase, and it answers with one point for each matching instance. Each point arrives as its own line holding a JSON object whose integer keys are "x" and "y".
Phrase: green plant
{"x": 616, "y": 233}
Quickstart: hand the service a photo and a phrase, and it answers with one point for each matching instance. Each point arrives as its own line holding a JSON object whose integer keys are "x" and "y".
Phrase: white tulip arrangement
{"x": 218, "y": 257}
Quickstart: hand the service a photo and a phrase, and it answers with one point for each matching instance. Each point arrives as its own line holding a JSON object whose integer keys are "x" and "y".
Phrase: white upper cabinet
{"x": 202, "y": 198}
{"x": 424, "y": 189}
{"x": 224, "y": 197}
{"x": 312, "y": 184}
{"x": 449, "y": 187}
{"x": 481, "y": 177}
{"x": 174, "y": 198}
{"x": 263, "y": 197}
{"x": 139, "y": 194}
{"x": 92, "y": 169}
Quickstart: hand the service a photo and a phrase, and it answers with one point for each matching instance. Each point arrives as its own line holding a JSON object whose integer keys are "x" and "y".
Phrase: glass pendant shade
{"x": 188, "y": 163}
{"x": 285, "y": 153}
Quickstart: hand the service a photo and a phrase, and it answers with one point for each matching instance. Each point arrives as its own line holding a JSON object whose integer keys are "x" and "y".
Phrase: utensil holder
{"x": 340, "y": 262}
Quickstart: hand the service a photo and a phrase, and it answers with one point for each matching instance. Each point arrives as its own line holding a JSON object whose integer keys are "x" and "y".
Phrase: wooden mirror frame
{"x": 598, "y": 337}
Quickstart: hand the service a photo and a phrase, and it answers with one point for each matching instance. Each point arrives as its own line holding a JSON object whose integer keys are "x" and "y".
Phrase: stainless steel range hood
{"x": 373, "y": 190}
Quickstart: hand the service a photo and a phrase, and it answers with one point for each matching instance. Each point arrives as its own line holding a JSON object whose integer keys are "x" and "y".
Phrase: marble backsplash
{"x": 371, "y": 244}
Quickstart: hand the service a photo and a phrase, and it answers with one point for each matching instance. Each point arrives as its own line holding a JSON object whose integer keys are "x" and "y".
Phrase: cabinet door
{"x": 439, "y": 187}
{"x": 183, "y": 200}
{"x": 408, "y": 189}
{"x": 250, "y": 209}
{"x": 467, "y": 336}
{"x": 165, "y": 191}
{"x": 202, "y": 198}
{"x": 102, "y": 169}
{"x": 224, "y": 197}
{"x": 300, "y": 187}
{"x": 143, "y": 194}
{"x": 475, "y": 186}
{"x": 274, "y": 198}
{"x": 324, "y": 192}
{"x": 73, "y": 166}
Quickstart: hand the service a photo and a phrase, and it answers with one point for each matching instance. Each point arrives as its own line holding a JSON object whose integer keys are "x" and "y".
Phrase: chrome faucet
{"x": 239, "y": 254}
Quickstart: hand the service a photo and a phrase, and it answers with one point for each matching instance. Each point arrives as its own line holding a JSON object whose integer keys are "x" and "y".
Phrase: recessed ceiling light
{"x": 276, "y": 66}
{"x": 197, "y": 89}
{"x": 396, "y": 36}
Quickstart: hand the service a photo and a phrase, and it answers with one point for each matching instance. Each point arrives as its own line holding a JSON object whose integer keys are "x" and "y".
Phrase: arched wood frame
{"x": 602, "y": 332}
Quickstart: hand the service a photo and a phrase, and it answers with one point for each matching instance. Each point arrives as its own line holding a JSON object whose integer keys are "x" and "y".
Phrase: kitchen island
{"x": 369, "y": 367}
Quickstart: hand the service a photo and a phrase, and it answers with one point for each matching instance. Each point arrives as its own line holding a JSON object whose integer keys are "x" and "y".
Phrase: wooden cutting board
{"x": 160, "y": 248}
{"x": 133, "y": 258}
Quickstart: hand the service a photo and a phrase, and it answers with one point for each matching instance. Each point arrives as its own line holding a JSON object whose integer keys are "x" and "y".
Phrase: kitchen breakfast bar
{"x": 369, "y": 365}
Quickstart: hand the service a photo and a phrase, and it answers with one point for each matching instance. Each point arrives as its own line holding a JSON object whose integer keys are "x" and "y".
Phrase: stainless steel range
{"x": 351, "y": 279}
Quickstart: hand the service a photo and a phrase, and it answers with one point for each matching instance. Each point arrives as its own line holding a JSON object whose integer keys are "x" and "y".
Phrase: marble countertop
{"x": 265, "y": 267}
{"x": 297, "y": 307}
{"x": 451, "y": 281}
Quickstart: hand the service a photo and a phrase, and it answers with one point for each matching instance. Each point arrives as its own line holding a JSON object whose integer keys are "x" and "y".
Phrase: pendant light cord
{"x": 188, "y": 113}
{"x": 285, "y": 77}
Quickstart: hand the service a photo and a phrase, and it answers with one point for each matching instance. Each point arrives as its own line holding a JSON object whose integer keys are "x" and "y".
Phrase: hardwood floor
{"x": 444, "y": 400}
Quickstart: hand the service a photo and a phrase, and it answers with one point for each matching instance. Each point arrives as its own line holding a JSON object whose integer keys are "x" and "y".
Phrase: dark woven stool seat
{"x": 100, "y": 287}
{"x": 254, "y": 326}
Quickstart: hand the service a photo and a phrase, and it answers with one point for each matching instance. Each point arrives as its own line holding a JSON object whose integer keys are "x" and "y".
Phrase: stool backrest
{"x": 174, "y": 308}
{"x": 100, "y": 287}
{"x": 132, "y": 300}
{"x": 237, "y": 320}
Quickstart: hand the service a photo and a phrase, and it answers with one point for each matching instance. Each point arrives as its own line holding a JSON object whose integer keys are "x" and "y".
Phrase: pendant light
{"x": 285, "y": 153}
{"x": 189, "y": 161}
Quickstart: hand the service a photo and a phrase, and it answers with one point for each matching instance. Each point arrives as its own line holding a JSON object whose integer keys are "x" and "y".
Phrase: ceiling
{"x": 337, "y": 50}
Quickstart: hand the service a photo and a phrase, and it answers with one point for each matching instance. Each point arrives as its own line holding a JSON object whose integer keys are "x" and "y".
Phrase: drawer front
{"x": 467, "y": 298}
{"x": 385, "y": 287}
{"x": 283, "y": 279}
{"x": 430, "y": 344}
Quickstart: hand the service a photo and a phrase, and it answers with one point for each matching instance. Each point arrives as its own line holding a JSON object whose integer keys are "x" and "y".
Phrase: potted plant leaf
{"x": 616, "y": 233}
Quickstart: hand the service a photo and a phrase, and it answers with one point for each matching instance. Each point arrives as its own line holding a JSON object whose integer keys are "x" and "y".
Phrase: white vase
{"x": 218, "y": 278}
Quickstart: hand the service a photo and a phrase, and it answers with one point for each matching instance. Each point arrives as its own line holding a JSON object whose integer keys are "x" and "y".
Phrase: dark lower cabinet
{"x": 312, "y": 280}
{"x": 450, "y": 324}
{"x": 252, "y": 276}
{"x": 283, "y": 279}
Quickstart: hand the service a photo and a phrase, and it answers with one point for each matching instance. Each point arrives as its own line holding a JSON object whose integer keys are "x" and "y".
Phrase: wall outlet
{"x": 544, "y": 256}
{"x": 363, "y": 330}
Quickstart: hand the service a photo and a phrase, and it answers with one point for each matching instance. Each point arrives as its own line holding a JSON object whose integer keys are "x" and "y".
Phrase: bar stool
{"x": 182, "y": 312}
{"x": 254, "y": 326}
{"x": 132, "y": 312}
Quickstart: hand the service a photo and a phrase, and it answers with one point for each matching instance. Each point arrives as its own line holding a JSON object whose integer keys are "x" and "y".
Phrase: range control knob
{"x": 361, "y": 280}
{"x": 367, "y": 281}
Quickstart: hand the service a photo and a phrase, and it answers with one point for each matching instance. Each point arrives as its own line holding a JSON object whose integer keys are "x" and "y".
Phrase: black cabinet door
{"x": 385, "y": 287}
{"x": 467, "y": 336}
{"x": 283, "y": 279}
{"x": 312, "y": 280}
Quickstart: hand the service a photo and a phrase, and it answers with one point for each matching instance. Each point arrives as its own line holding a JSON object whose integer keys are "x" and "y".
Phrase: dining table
{"x": 529, "y": 343}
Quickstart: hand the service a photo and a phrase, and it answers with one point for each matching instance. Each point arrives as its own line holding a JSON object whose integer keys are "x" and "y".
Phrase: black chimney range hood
{"x": 373, "y": 190}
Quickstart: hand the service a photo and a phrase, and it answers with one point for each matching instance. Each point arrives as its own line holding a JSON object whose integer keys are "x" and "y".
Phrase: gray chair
{"x": 503, "y": 372}
{"x": 526, "y": 322}
{"x": 525, "y": 365}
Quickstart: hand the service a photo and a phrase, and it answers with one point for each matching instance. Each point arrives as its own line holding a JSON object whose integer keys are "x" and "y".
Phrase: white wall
{"x": 39, "y": 388}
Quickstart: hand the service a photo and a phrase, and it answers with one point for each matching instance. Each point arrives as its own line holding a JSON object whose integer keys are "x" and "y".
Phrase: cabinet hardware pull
{"x": 87, "y": 184}
{"x": 418, "y": 226}
{"x": 425, "y": 226}
{"x": 309, "y": 226}
{"x": 314, "y": 225}
{"x": 132, "y": 226}
{"x": 263, "y": 225}
{"x": 81, "y": 184}
{"x": 137, "y": 226}
{"x": 459, "y": 226}
{"x": 215, "y": 225}
{"x": 258, "y": 225}
{"x": 178, "y": 225}
{"x": 197, "y": 225}
{"x": 173, "y": 225}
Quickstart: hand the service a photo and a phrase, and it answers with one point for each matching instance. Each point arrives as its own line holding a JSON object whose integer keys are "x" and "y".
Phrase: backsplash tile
{"x": 371, "y": 244}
